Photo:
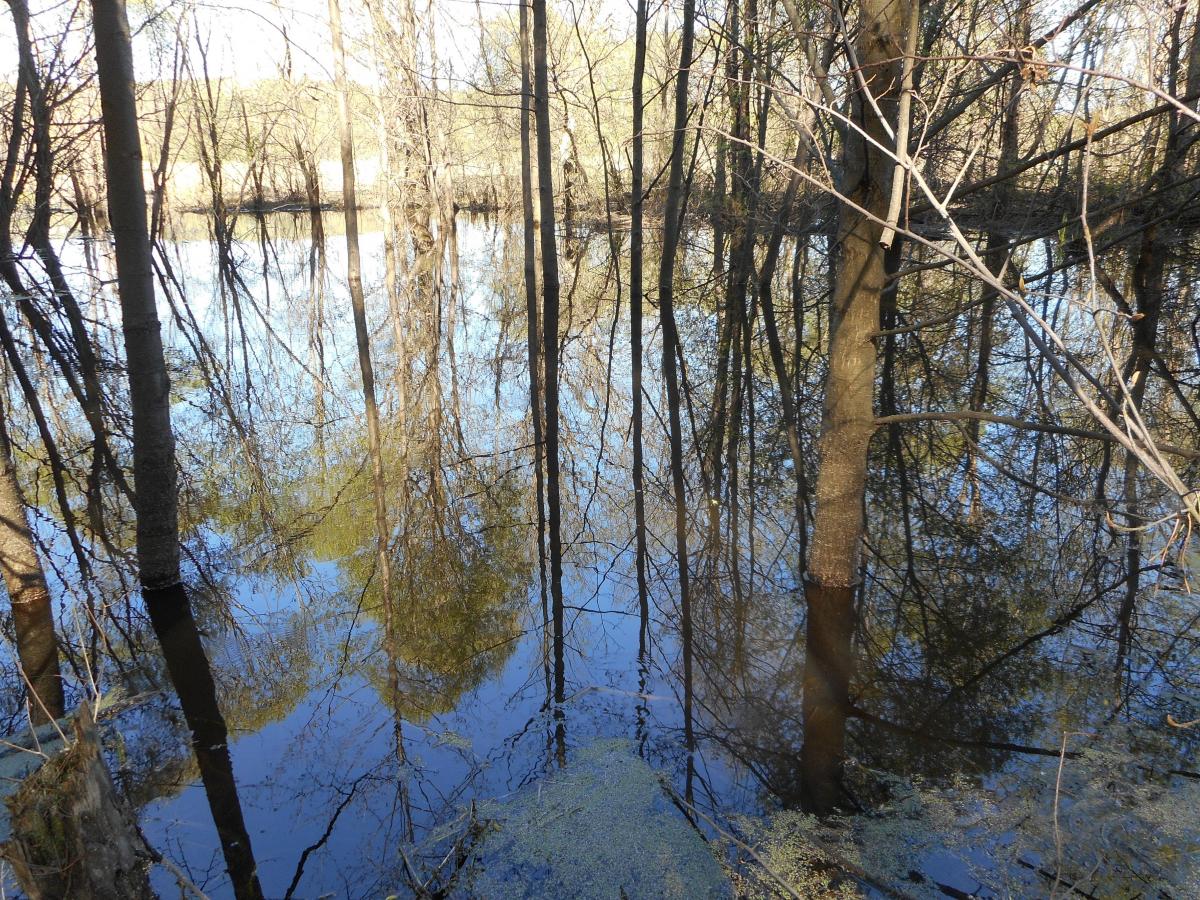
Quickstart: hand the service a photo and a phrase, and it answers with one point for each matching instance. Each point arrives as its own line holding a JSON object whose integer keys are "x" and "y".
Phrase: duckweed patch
{"x": 600, "y": 828}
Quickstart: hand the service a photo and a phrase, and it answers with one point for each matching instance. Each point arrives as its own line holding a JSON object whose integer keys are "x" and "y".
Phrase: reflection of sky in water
{"x": 313, "y": 736}
{"x": 336, "y": 739}
{"x": 294, "y": 772}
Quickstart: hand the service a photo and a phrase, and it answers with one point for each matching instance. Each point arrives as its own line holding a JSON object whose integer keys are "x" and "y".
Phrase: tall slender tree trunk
{"x": 32, "y": 611}
{"x": 670, "y": 340}
{"x": 154, "y": 445}
{"x": 550, "y": 336}
{"x": 359, "y": 309}
{"x": 529, "y": 234}
{"x": 636, "y": 254}
{"x": 149, "y": 386}
{"x": 848, "y": 420}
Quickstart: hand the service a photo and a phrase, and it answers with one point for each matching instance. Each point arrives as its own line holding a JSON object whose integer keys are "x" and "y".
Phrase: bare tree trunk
{"x": 529, "y": 234}
{"x": 670, "y": 340}
{"x": 550, "y": 337}
{"x": 149, "y": 385}
{"x": 358, "y": 305}
{"x": 636, "y": 254}
{"x": 32, "y": 611}
{"x": 154, "y": 444}
{"x": 848, "y": 419}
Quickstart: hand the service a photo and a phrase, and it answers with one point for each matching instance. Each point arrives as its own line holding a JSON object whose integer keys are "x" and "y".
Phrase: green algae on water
{"x": 601, "y": 828}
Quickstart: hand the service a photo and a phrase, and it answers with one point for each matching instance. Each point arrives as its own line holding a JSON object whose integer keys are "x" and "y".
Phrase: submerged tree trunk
{"x": 358, "y": 305}
{"x": 72, "y": 836}
{"x": 672, "y": 220}
{"x": 636, "y": 255}
{"x": 32, "y": 611}
{"x": 529, "y": 233}
{"x": 550, "y": 337}
{"x": 847, "y": 421}
{"x": 154, "y": 444}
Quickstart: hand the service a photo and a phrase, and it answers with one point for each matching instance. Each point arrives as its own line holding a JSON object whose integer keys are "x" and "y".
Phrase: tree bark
{"x": 32, "y": 611}
{"x": 149, "y": 386}
{"x": 847, "y": 421}
{"x": 154, "y": 444}
{"x": 72, "y": 836}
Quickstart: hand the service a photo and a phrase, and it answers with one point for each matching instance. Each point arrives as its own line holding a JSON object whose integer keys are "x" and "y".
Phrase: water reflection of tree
{"x": 948, "y": 678}
{"x": 461, "y": 575}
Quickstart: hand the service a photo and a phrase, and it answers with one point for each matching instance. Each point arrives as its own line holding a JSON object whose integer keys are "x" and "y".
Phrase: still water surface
{"x": 348, "y": 777}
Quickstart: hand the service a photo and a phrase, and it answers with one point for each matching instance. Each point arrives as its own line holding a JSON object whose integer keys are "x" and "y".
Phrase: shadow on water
{"x": 187, "y": 663}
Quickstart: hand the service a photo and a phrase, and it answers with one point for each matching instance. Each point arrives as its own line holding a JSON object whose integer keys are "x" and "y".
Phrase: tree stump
{"x": 72, "y": 836}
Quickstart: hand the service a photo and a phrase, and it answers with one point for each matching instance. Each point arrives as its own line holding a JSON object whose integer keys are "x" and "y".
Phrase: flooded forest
{"x": 581, "y": 448}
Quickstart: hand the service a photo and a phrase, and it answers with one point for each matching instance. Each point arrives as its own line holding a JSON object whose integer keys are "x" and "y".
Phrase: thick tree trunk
{"x": 848, "y": 420}
{"x": 32, "y": 611}
{"x": 72, "y": 836}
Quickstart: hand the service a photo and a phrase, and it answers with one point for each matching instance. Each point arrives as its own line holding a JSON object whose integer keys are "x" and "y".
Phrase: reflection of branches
{"x": 312, "y": 848}
{"x": 953, "y": 415}
{"x": 1131, "y": 433}
{"x": 435, "y": 885}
